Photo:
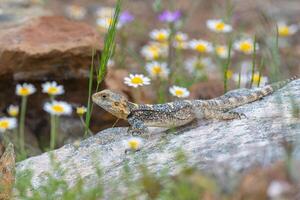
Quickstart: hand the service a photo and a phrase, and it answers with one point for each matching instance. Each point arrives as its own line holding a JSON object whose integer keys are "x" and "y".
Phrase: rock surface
{"x": 47, "y": 47}
{"x": 213, "y": 146}
{"x": 7, "y": 172}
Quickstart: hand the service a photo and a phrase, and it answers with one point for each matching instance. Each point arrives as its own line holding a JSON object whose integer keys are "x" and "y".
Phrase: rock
{"x": 48, "y": 47}
{"x": 7, "y": 172}
{"x": 213, "y": 146}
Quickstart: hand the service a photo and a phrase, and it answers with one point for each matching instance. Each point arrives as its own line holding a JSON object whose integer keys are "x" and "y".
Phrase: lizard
{"x": 180, "y": 112}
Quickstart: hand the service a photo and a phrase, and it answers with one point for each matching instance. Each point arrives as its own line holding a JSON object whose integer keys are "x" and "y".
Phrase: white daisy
{"x": 76, "y": 12}
{"x": 195, "y": 65}
{"x": 245, "y": 79}
{"x": 201, "y": 46}
{"x": 133, "y": 144}
{"x": 245, "y": 45}
{"x": 104, "y": 23}
{"x": 25, "y": 89}
{"x": 161, "y": 35}
{"x": 13, "y": 110}
{"x": 157, "y": 69}
{"x": 105, "y": 12}
{"x": 154, "y": 50}
{"x": 258, "y": 79}
{"x": 181, "y": 37}
{"x": 81, "y": 110}
{"x": 222, "y": 51}
{"x": 285, "y": 30}
{"x": 180, "y": 92}
{"x": 58, "y": 108}
{"x": 218, "y": 25}
{"x": 136, "y": 80}
{"x": 52, "y": 88}
{"x": 7, "y": 123}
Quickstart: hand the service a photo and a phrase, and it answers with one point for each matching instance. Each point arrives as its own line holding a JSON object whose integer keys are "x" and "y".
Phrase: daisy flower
{"x": 161, "y": 35}
{"x": 197, "y": 65}
{"x": 76, "y": 12}
{"x": 180, "y": 41}
{"x": 133, "y": 144}
{"x": 181, "y": 37}
{"x": 52, "y": 88}
{"x": 136, "y": 80}
{"x": 81, "y": 110}
{"x": 157, "y": 69}
{"x": 104, "y": 23}
{"x": 7, "y": 123}
{"x": 180, "y": 92}
{"x": 154, "y": 51}
{"x": 222, "y": 51}
{"x": 201, "y": 46}
{"x": 285, "y": 30}
{"x": 258, "y": 79}
{"x": 13, "y": 110}
{"x": 25, "y": 89}
{"x": 245, "y": 45}
{"x": 58, "y": 108}
{"x": 218, "y": 25}
{"x": 105, "y": 12}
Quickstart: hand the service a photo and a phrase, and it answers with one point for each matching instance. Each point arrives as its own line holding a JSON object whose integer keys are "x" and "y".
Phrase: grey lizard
{"x": 177, "y": 113}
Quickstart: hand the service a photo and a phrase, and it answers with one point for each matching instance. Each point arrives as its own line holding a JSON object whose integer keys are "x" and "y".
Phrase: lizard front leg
{"x": 137, "y": 127}
{"x": 221, "y": 115}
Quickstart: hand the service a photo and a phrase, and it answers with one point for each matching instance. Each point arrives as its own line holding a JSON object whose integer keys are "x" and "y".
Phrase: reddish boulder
{"x": 47, "y": 47}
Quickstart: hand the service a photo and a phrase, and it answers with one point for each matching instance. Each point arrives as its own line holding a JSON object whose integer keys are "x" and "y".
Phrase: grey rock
{"x": 213, "y": 146}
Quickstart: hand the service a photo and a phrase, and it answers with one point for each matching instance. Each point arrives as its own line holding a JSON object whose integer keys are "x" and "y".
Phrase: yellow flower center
{"x": 58, "y": 108}
{"x": 246, "y": 47}
{"x": 256, "y": 78}
{"x": 229, "y": 74}
{"x": 201, "y": 48}
{"x": 155, "y": 51}
{"x": 179, "y": 93}
{"x": 80, "y": 110}
{"x": 133, "y": 144}
{"x": 13, "y": 112}
{"x": 283, "y": 31}
{"x": 220, "y": 50}
{"x": 52, "y": 90}
{"x": 24, "y": 91}
{"x": 137, "y": 80}
{"x": 179, "y": 38}
{"x": 156, "y": 70}
{"x": 4, "y": 124}
{"x": 109, "y": 21}
{"x": 220, "y": 26}
{"x": 161, "y": 37}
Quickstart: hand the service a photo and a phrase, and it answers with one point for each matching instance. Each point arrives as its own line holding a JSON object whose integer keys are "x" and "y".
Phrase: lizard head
{"x": 112, "y": 102}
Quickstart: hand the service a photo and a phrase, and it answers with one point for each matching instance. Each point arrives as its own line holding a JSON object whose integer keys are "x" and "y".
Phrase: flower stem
{"x": 53, "y": 119}
{"x": 22, "y": 125}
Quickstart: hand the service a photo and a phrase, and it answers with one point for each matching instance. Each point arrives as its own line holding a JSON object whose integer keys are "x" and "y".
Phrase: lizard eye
{"x": 104, "y": 96}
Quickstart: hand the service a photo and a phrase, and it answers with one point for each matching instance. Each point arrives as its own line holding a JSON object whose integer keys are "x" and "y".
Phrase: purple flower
{"x": 169, "y": 16}
{"x": 126, "y": 17}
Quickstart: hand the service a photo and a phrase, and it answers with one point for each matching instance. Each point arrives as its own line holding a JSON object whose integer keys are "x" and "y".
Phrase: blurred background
{"x": 53, "y": 40}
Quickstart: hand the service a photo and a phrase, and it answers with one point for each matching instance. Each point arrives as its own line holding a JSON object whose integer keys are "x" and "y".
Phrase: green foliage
{"x": 109, "y": 45}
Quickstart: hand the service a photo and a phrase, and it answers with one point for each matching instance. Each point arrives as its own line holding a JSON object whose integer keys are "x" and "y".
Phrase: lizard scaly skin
{"x": 178, "y": 113}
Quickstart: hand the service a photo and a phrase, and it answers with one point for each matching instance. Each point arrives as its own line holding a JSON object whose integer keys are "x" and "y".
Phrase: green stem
{"x": 22, "y": 125}
{"x": 53, "y": 132}
{"x": 253, "y": 62}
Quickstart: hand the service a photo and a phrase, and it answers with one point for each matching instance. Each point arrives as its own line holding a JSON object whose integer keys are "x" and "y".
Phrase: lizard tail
{"x": 224, "y": 102}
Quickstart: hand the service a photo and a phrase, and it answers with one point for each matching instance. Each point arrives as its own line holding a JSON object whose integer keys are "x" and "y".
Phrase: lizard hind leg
{"x": 221, "y": 115}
